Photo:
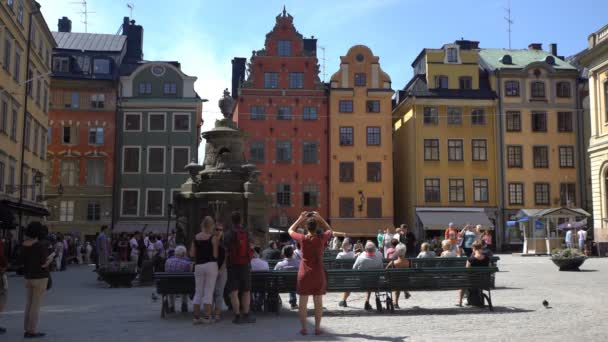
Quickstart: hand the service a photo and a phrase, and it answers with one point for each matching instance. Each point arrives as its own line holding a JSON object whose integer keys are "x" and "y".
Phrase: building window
{"x": 284, "y": 48}
{"x": 347, "y": 172}
{"x": 284, "y": 113}
{"x": 283, "y": 151}
{"x": 347, "y": 207}
{"x": 374, "y": 171}
{"x": 431, "y": 149}
{"x": 346, "y": 106}
{"x": 455, "y": 150}
{"x": 132, "y": 122}
{"x": 181, "y": 157}
{"x": 310, "y": 195}
{"x": 69, "y": 172}
{"x": 567, "y": 194}
{"x": 373, "y": 106}
{"x": 480, "y": 149}
{"x": 96, "y": 136}
{"x": 566, "y": 156}
{"x": 480, "y": 190}
{"x": 4, "y": 117}
{"x": 456, "y": 189}
{"x": 7, "y": 52}
{"x": 346, "y": 136}
{"x": 271, "y": 80}
{"x": 563, "y": 89}
{"x": 454, "y": 116}
{"x": 606, "y": 101}
{"x": 17, "y": 69}
{"x": 36, "y": 131}
{"x": 538, "y": 90}
{"x": 170, "y": 88}
{"x": 430, "y": 116}
{"x": 27, "y": 137}
{"x": 181, "y": 122}
{"x": 296, "y": 80}
{"x": 360, "y": 79}
{"x": 256, "y": 151}
{"x": 283, "y": 195}
{"x": 374, "y": 207}
{"x": 373, "y": 136}
{"x": 66, "y": 211}
{"x": 541, "y": 156}
{"x": 541, "y": 194}
{"x": 516, "y": 193}
{"x": 155, "y": 199}
{"x": 98, "y": 101}
{"x": 66, "y": 137}
{"x": 309, "y": 113}
{"x": 441, "y": 82}
{"x": 432, "y": 191}
{"x": 258, "y": 112}
{"x": 95, "y": 171}
{"x": 131, "y": 159}
{"x": 72, "y": 100}
{"x": 156, "y": 159}
{"x": 43, "y": 143}
{"x": 512, "y": 88}
{"x": 130, "y": 202}
{"x": 14, "y": 125}
{"x": 465, "y": 82}
{"x": 101, "y": 66}
{"x": 156, "y": 122}
{"x": 564, "y": 122}
{"x": 20, "y": 13}
{"x": 309, "y": 153}
{"x": 2, "y": 171}
{"x": 93, "y": 211}
{"x": 452, "y": 55}
{"x": 514, "y": 156}
{"x": 539, "y": 121}
{"x": 513, "y": 122}
{"x": 145, "y": 88}
{"x": 61, "y": 64}
{"x": 478, "y": 117}
{"x": 29, "y": 86}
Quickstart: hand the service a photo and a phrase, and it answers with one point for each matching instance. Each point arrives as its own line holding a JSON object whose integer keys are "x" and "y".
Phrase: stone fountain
{"x": 224, "y": 183}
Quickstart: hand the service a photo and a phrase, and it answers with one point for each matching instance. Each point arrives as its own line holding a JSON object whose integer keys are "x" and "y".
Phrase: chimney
{"x": 238, "y": 74}
{"x": 310, "y": 45}
{"x": 535, "y": 46}
{"x": 64, "y": 25}
{"x": 135, "y": 40}
{"x": 467, "y": 44}
{"x": 553, "y": 49}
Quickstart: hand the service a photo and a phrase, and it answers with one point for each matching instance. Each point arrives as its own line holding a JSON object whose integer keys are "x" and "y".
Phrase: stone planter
{"x": 569, "y": 264}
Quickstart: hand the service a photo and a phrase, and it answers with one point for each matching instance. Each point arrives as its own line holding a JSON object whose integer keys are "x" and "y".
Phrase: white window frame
{"x": 123, "y": 160}
{"x": 189, "y": 122}
{"x": 67, "y": 211}
{"x": 173, "y": 158}
{"x": 162, "y": 204}
{"x": 122, "y": 201}
{"x": 164, "y": 114}
{"x": 458, "y": 57}
{"x": 124, "y": 122}
{"x": 148, "y": 160}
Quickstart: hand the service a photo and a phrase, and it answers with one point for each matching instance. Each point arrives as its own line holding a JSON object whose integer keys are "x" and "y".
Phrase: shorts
{"x": 239, "y": 278}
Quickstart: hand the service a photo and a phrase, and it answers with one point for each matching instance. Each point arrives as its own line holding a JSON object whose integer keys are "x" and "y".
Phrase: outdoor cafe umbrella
{"x": 573, "y": 225}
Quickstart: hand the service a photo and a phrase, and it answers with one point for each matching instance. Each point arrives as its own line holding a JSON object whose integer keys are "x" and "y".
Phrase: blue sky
{"x": 205, "y": 35}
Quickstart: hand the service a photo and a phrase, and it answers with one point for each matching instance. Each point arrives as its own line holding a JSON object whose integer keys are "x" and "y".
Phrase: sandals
{"x": 318, "y": 331}
{"x": 303, "y": 332}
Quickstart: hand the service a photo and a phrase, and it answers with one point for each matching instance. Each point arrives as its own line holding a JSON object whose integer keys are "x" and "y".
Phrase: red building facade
{"x": 282, "y": 107}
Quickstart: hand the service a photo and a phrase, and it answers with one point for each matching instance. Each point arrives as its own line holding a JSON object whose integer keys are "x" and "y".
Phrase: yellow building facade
{"x": 444, "y": 140}
{"x": 361, "y": 146}
{"x": 20, "y": 83}
{"x": 595, "y": 59}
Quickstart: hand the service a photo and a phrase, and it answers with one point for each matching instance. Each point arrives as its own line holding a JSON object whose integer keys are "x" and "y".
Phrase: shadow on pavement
{"x": 417, "y": 311}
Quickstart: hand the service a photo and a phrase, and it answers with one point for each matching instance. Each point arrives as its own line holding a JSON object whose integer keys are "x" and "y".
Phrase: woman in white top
{"x": 446, "y": 245}
{"x": 425, "y": 251}
{"x": 346, "y": 252}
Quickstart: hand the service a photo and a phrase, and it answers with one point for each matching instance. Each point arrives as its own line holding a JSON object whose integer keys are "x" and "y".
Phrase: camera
{"x": 310, "y": 214}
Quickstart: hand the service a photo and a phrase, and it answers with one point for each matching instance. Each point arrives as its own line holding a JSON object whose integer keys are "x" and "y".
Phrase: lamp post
{"x": 25, "y": 94}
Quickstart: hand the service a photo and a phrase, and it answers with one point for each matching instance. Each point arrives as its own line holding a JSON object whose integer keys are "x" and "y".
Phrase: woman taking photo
{"x": 311, "y": 275}
{"x": 204, "y": 250}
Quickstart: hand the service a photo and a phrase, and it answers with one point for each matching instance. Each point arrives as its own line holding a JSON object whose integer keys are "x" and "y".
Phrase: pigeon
{"x": 546, "y": 304}
{"x": 154, "y": 297}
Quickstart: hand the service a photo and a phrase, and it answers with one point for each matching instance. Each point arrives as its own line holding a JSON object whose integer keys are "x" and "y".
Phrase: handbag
{"x": 49, "y": 283}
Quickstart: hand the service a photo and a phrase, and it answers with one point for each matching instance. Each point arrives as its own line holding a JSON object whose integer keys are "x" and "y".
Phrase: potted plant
{"x": 118, "y": 274}
{"x": 569, "y": 259}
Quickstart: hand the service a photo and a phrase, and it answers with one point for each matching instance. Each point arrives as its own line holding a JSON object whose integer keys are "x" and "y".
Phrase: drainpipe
{"x": 580, "y": 136}
{"x": 500, "y": 226}
{"x": 328, "y": 161}
{"x": 117, "y": 162}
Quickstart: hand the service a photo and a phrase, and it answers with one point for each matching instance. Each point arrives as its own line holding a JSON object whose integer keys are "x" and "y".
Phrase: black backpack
{"x": 475, "y": 298}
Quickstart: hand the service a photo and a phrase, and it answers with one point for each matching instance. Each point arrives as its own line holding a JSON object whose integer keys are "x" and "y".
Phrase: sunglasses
{"x": 218, "y": 229}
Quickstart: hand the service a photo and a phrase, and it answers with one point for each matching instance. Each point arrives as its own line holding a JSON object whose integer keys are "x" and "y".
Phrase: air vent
{"x": 550, "y": 60}
{"x": 506, "y": 59}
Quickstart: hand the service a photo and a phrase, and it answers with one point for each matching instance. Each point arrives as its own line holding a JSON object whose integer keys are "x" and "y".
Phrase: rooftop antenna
{"x": 509, "y": 21}
{"x": 323, "y": 62}
{"x": 131, "y": 7}
{"x": 85, "y": 12}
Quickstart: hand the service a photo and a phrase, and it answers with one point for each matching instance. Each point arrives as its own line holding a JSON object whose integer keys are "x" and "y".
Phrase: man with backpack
{"x": 238, "y": 248}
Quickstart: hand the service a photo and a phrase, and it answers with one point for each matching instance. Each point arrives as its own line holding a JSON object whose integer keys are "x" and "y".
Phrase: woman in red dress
{"x": 311, "y": 275}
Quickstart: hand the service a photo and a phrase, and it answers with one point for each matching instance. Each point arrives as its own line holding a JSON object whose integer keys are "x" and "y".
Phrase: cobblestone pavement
{"x": 79, "y": 308}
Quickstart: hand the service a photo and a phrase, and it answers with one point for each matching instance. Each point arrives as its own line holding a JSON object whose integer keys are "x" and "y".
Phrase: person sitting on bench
{"x": 477, "y": 259}
{"x": 365, "y": 261}
{"x": 289, "y": 263}
{"x": 400, "y": 262}
{"x": 179, "y": 262}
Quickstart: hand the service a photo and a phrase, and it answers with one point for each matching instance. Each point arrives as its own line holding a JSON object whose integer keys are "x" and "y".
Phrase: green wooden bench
{"x": 333, "y": 263}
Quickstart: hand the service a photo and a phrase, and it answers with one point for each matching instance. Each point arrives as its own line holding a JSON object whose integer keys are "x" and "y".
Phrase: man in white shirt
{"x": 134, "y": 245}
{"x": 258, "y": 264}
{"x": 582, "y": 238}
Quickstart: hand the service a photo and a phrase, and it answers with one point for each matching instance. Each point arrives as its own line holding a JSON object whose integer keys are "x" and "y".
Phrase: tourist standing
{"x": 380, "y": 238}
{"x": 311, "y": 275}
{"x": 410, "y": 241}
{"x": 568, "y": 238}
{"x": 59, "y": 249}
{"x": 3, "y": 282}
{"x": 88, "y": 250}
{"x": 238, "y": 247}
{"x": 386, "y": 240}
{"x": 103, "y": 252}
{"x": 468, "y": 237}
{"x": 582, "y": 237}
{"x": 178, "y": 263}
{"x": 452, "y": 234}
{"x": 204, "y": 250}
{"x": 35, "y": 260}
{"x": 134, "y": 245}
{"x": 222, "y": 275}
